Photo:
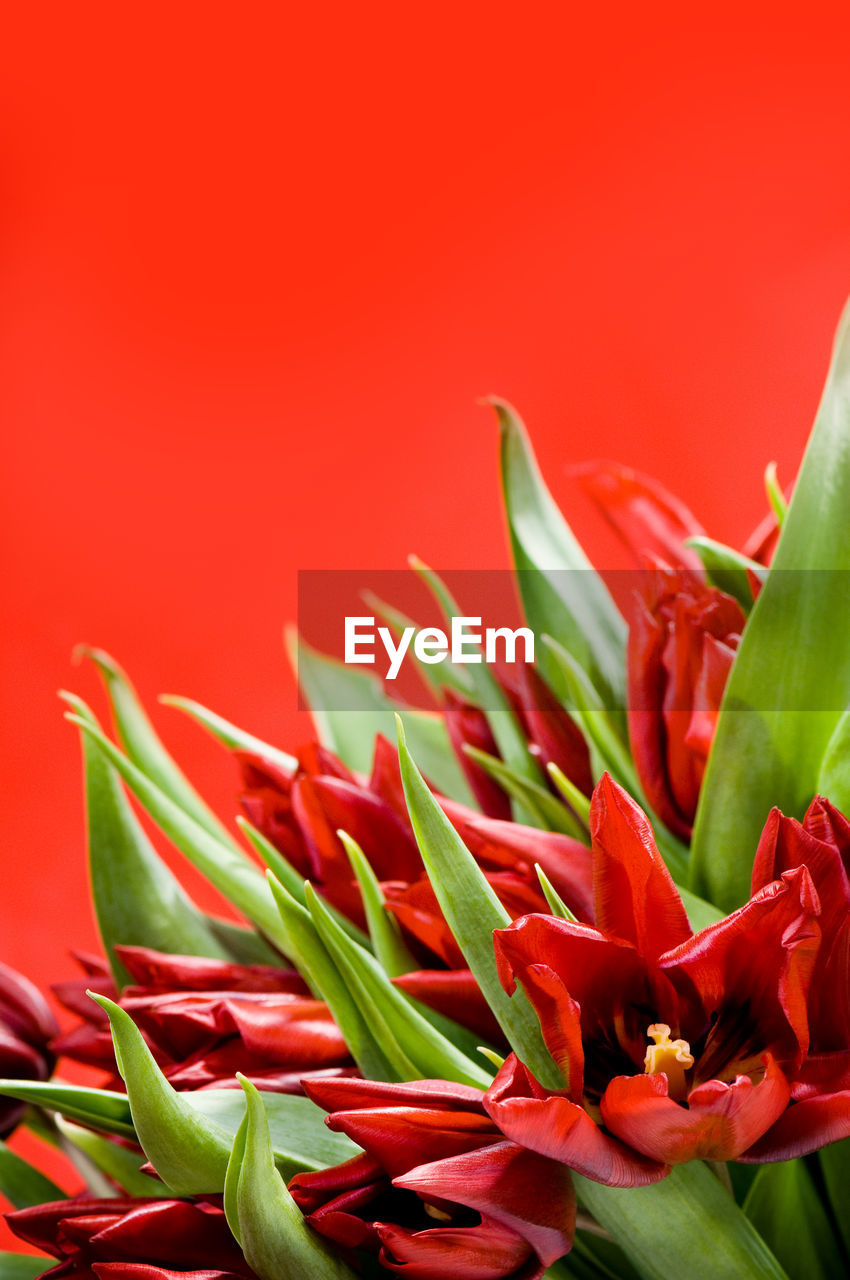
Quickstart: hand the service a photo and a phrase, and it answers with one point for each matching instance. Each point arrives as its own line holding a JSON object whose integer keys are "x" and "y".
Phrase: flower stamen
{"x": 671, "y": 1058}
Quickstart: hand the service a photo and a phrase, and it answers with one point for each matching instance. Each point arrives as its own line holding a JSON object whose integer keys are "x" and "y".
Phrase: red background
{"x": 259, "y": 262}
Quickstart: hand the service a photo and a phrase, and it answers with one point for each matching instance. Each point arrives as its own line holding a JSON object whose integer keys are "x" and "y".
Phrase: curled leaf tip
{"x": 402, "y": 740}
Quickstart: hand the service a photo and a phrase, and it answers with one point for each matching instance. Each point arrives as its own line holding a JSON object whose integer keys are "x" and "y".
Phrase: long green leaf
{"x": 785, "y": 1208}
{"x": 118, "y": 1163}
{"x": 546, "y": 810}
{"x": 473, "y": 912}
{"x": 272, "y": 1232}
{"x": 406, "y": 1036}
{"x": 137, "y": 900}
{"x": 388, "y": 945}
{"x": 330, "y": 686}
{"x": 727, "y": 569}
{"x": 562, "y": 594}
{"x": 790, "y": 683}
{"x": 232, "y": 872}
{"x": 100, "y": 1108}
{"x": 22, "y": 1184}
{"x": 23, "y": 1266}
{"x": 229, "y": 735}
{"x": 144, "y": 747}
{"x": 835, "y": 1167}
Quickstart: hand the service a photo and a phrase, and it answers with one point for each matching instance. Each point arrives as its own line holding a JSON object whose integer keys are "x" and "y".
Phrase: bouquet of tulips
{"x": 552, "y": 980}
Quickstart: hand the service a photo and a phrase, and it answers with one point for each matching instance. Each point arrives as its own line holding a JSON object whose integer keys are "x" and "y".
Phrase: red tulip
{"x": 26, "y": 1029}
{"x": 206, "y": 1019}
{"x": 133, "y": 1239}
{"x": 437, "y": 1190}
{"x": 673, "y": 1046}
{"x": 682, "y": 642}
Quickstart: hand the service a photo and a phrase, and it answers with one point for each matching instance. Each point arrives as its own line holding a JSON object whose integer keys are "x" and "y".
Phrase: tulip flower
{"x": 682, "y": 642}
{"x": 673, "y": 1046}
{"x": 26, "y": 1029}
{"x": 820, "y": 1108}
{"x": 206, "y": 1019}
{"x": 438, "y": 1190}
{"x": 133, "y": 1239}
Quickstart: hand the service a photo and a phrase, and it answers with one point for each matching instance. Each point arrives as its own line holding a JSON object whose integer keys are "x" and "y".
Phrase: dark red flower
{"x": 438, "y": 1190}
{"x": 207, "y": 1019}
{"x": 133, "y": 1239}
{"x": 672, "y": 1046}
{"x": 683, "y": 636}
{"x": 26, "y": 1028}
{"x": 820, "y": 1110}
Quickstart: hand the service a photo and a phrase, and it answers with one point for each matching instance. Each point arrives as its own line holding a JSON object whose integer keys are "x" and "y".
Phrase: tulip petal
{"x": 803, "y": 1128}
{"x": 487, "y": 1251}
{"x": 720, "y": 1121}
{"x": 645, "y": 515}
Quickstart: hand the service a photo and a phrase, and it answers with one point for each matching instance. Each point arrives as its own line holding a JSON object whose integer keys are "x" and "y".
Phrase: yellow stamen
{"x": 440, "y": 1214}
{"x": 671, "y": 1058}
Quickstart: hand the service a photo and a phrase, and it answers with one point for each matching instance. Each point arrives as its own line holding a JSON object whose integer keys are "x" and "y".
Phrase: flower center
{"x": 669, "y": 1057}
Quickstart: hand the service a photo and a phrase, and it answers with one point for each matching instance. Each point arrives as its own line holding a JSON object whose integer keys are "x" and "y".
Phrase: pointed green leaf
{"x": 118, "y": 1163}
{"x": 545, "y": 810}
{"x": 229, "y": 735}
{"x": 557, "y": 905}
{"x": 408, "y": 1039}
{"x": 328, "y": 686}
{"x": 790, "y": 682}
{"x": 243, "y": 946}
{"x": 562, "y": 594}
{"x": 575, "y": 798}
{"x": 273, "y": 1235}
{"x": 775, "y": 496}
{"x": 231, "y": 871}
{"x": 311, "y": 958}
{"x": 834, "y": 776}
{"x": 473, "y": 912}
{"x": 727, "y": 569}
{"x": 785, "y": 1208}
{"x": 137, "y": 900}
{"x": 188, "y": 1151}
{"x": 384, "y": 931}
{"x": 142, "y": 744}
{"x": 22, "y": 1184}
{"x": 231, "y": 1179}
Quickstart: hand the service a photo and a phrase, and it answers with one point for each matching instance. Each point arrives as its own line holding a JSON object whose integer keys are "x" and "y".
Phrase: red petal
{"x": 803, "y": 1128}
{"x": 484, "y": 1252}
{"x": 454, "y": 993}
{"x": 468, "y": 725}
{"x": 647, "y": 517}
{"x": 523, "y": 1191}
{"x": 403, "y": 1137}
{"x": 634, "y": 894}
{"x": 553, "y": 1126}
{"x": 349, "y": 1093}
{"x": 719, "y": 1122}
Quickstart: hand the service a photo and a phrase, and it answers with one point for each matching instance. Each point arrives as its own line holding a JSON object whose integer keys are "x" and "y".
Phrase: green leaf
{"x": 407, "y": 1038}
{"x": 118, "y": 1163}
{"x": 24, "y": 1185}
{"x": 231, "y": 871}
{"x": 557, "y": 905}
{"x": 562, "y": 594}
{"x": 786, "y": 1210}
{"x": 142, "y": 744}
{"x": 727, "y": 569}
{"x": 328, "y": 686}
{"x": 835, "y": 1167}
{"x": 574, "y": 797}
{"x": 311, "y": 958}
{"x": 472, "y": 911}
{"x": 291, "y": 880}
{"x": 687, "y": 1225}
{"x": 834, "y": 776}
{"x": 24, "y": 1266}
{"x": 437, "y": 676}
{"x": 137, "y": 900}
{"x": 388, "y": 945}
{"x": 100, "y": 1108}
{"x": 790, "y": 683}
{"x": 775, "y": 496}
{"x": 272, "y": 1232}
{"x": 188, "y": 1151}
{"x": 487, "y": 692}
{"x": 229, "y": 735}
{"x": 545, "y": 810}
